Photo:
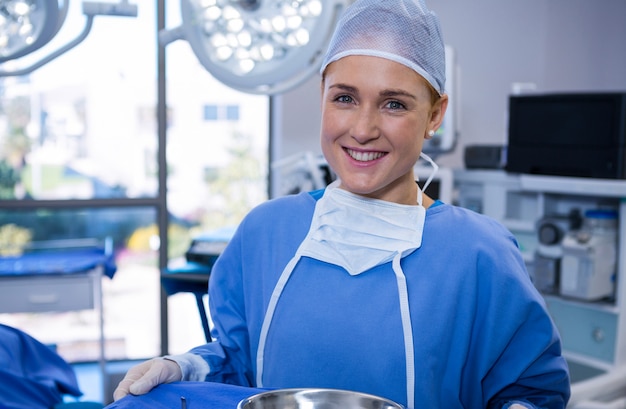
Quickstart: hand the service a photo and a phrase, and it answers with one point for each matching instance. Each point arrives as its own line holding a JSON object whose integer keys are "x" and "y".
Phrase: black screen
{"x": 578, "y": 134}
{"x": 566, "y": 119}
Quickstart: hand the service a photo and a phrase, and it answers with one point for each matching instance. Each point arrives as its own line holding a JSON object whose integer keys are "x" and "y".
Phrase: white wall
{"x": 560, "y": 45}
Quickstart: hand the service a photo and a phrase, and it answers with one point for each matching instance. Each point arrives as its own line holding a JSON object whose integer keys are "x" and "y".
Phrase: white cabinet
{"x": 593, "y": 332}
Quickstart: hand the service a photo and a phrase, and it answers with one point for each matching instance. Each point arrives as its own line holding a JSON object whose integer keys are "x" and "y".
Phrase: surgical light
{"x": 28, "y": 25}
{"x": 257, "y": 46}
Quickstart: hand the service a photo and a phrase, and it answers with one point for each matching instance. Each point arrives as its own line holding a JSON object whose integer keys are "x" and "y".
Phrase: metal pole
{"x": 162, "y": 160}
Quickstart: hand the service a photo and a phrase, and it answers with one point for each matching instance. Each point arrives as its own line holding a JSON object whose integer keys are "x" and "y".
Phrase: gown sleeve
{"x": 520, "y": 342}
{"x": 242, "y": 280}
{"x": 228, "y": 357}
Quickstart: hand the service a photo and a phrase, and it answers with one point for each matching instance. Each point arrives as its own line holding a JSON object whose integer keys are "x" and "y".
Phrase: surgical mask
{"x": 359, "y": 233}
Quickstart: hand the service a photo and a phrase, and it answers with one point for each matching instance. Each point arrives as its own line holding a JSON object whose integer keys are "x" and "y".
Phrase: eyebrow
{"x": 397, "y": 92}
{"x": 344, "y": 87}
{"x": 385, "y": 93}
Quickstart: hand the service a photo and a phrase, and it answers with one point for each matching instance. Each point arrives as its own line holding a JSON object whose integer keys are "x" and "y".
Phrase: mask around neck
{"x": 359, "y": 233}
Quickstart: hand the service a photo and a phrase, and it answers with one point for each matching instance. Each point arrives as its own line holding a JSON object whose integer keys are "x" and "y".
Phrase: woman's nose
{"x": 365, "y": 127}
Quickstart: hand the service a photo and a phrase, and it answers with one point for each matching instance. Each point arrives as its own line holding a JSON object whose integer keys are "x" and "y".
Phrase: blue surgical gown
{"x": 482, "y": 335}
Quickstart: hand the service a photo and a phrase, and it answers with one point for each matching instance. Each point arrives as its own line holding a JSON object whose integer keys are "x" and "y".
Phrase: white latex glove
{"x": 140, "y": 379}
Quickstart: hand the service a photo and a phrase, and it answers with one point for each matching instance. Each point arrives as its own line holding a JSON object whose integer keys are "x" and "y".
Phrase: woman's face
{"x": 375, "y": 116}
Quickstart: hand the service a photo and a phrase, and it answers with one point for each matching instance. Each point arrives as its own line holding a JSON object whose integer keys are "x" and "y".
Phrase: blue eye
{"x": 344, "y": 98}
{"x": 395, "y": 105}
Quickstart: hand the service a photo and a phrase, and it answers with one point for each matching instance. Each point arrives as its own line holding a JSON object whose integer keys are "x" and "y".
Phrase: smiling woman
{"x": 376, "y": 113}
{"x": 370, "y": 285}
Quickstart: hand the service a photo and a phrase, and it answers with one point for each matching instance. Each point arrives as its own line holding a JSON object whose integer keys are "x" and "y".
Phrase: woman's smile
{"x": 364, "y": 156}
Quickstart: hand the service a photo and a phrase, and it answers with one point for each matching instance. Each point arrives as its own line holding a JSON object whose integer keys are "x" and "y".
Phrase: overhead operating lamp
{"x": 257, "y": 46}
{"x": 25, "y": 26}
{"x": 28, "y": 25}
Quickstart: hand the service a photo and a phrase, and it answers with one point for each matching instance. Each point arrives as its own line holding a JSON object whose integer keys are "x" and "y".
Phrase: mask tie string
{"x": 407, "y": 330}
{"x": 430, "y": 177}
{"x": 269, "y": 315}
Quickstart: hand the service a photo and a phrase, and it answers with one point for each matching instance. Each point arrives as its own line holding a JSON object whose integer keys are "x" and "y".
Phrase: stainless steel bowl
{"x": 315, "y": 398}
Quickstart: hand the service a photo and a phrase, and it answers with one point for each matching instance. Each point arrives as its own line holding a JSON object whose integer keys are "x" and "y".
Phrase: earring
{"x": 431, "y": 133}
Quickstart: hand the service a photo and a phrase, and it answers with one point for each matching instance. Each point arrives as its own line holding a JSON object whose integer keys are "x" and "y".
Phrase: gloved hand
{"x": 140, "y": 379}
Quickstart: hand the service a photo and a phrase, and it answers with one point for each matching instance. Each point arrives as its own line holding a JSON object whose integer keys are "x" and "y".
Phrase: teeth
{"x": 364, "y": 156}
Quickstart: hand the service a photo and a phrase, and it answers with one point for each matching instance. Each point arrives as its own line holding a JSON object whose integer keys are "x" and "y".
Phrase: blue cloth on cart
{"x": 32, "y": 375}
{"x": 58, "y": 262}
{"x": 198, "y": 395}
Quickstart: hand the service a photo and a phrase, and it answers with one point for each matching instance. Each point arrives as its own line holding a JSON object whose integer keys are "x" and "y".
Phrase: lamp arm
{"x": 167, "y": 36}
{"x": 53, "y": 55}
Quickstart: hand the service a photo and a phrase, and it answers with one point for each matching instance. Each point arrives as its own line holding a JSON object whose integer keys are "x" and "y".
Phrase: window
{"x": 232, "y": 112}
{"x": 211, "y": 113}
{"x": 83, "y": 127}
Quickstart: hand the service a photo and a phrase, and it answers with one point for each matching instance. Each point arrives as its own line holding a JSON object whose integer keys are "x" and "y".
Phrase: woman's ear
{"x": 437, "y": 112}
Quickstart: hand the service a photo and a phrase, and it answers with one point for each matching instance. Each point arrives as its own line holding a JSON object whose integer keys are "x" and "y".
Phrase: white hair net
{"x": 404, "y": 31}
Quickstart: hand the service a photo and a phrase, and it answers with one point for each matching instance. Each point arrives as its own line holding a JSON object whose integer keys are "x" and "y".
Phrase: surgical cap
{"x": 404, "y": 31}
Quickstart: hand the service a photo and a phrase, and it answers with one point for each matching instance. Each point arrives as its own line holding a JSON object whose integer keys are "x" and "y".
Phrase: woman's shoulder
{"x": 448, "y": 216}
{"x": 298, "y": 201}
{"x": 289, "y": 211}
{"x": 473, "y": 237}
